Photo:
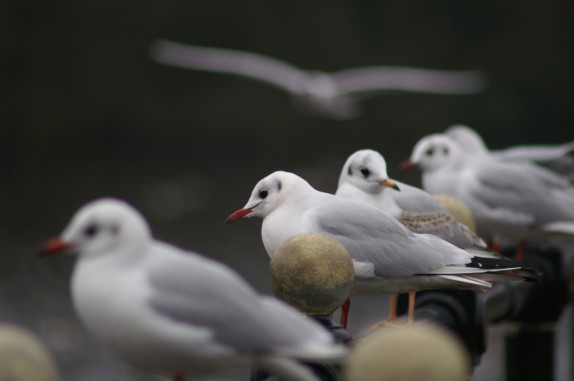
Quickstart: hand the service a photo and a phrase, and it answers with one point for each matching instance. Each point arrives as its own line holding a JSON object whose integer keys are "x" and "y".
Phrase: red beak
{"x": 407, "y": 164}
{"x": 53, "y": 246}
{"x": 237, "y": 215}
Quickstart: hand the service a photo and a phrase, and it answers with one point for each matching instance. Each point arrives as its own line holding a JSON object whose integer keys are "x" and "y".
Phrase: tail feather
{"x": 471, "y": 281}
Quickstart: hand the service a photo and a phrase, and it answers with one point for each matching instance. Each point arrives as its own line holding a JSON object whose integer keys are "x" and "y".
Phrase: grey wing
{"x": 559, "y": 159}
{"x": 536, "y": 153}
{"x": 201, "y": 292}
{"x": 371, "y": 236}
{"x": 523, "y": 192}
{"x": 414, "y": 200}
{"x": 254, "y": 66}
{"x": 388, "y": 78}
{"x": 442, "y": 225}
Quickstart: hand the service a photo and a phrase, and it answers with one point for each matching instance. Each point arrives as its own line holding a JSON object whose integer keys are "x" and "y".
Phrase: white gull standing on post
{"x": 364, "y": 178}
{"x": 388, "y": 258}
{"x": 511, "y": 200}
{"x": 175, "y": 311}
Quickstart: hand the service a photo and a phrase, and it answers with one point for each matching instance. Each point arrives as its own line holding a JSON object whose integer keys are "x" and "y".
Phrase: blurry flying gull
{"x": 388, "y": 258}
{"x": 175, "y": 311}
{"x": 333, "y": 95}
{"x": 558, "y": 158}
{"x": 510, "y": 200}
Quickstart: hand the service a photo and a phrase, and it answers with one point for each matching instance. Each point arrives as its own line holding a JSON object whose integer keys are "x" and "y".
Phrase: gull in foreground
{"x": 558, "y": 158}
{"x": 175, "y": 311}
{"x": 364, "y": 178}
{"x": 334, "y": 95}
{"x": 510, "y": 200}
{"x": 387, "y": 257}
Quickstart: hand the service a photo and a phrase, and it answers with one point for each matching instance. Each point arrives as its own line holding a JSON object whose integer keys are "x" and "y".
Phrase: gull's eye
{"x": 91, "y": 230}
{"x": 429, "y": 151}
{"x": 263, "y": 193}
{"x": 366, "y": 173}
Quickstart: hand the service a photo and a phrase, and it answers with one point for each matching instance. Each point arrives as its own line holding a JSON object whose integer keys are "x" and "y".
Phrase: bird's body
{"x": 173, "y": 310}
{"x": 510, "y": 200}
{"x": 333, "y": 95}
{"x": 364, "y": 178}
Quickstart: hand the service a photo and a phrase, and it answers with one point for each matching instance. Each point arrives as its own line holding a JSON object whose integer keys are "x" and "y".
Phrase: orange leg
{"x": 494, "y": 246}
{"x": 393, "y": 308}
{"x": 412, "y": 297}
{"x": 345, "y": 312}
{"x": 520, "y": 250}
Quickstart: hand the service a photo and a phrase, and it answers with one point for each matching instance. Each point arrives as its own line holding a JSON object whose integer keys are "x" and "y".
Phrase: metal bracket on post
{"x": 461, "y": 311}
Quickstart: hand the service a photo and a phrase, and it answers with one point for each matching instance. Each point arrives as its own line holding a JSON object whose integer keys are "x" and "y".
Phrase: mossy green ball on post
{"x": 23, "y": 357}
{"x": 313, "y": 273}
{"x": 420, "y": 352}
{"x": 458, "y": 209}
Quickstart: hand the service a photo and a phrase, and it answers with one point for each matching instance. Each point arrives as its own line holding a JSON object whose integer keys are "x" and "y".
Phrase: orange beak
{"x": 390, "y": 184}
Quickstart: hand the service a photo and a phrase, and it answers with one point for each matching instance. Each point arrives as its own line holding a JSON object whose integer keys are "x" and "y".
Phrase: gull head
{"x": 269, "y": 194}
{"x": 435, "y": 152}
{"x": 367, "y": 170}
{"x": 98, "y": 227}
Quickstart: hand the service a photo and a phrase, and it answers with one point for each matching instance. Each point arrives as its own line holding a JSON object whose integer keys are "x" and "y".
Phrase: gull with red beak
{"x": 387, "y": 257}
{"x": 175, "y": 311}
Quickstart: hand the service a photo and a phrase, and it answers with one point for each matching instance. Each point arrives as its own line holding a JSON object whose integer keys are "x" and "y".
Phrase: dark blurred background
{"x": 85, "y": 113}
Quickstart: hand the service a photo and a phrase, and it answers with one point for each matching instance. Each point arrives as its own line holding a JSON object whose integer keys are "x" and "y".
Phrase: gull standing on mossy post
{"x": 387, "y": 257}
{"x": 175, "y": 311}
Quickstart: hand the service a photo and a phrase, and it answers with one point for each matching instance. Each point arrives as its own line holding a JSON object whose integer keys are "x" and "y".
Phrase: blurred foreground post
{"x": 314, "y": 274}
{"x": 23, "y": 357}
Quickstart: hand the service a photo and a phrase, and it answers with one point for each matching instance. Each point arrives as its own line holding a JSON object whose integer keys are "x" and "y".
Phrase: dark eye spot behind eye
{"x": 91, "y": 230}
{"x": 279, "y": 185}
{"x": 366, "y": 173}
{"x": 263, "y": 193}
{"x": 350, "y": 171}
{"x": 430, "y": 151}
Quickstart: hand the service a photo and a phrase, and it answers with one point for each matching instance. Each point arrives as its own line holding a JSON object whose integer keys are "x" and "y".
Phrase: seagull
{"x": 176, "y": 311}
{"x": 558, "y": 158}
{"x": 387, "y": 257}
{"x": 333, "y": 95}
{"x": 510, "y": 200}
{"x": 364, "y": 178}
